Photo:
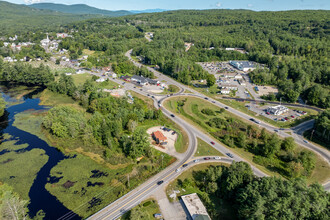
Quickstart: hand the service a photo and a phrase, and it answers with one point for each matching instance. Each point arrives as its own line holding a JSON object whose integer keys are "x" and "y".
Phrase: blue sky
{"x": 270, "y": 5}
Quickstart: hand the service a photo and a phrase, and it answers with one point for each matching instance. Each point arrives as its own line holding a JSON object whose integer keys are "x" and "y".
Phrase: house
{"x": 62, "y": 35}
{"x": 100, "y": 80}
{"x": 195, "y": 207}
{"x": 8, "y": 59}
{"x": 232, "y": 75}
{"x": 80, "y": 71}
{"x": 68, "y": 74}
{"x": 243, "y": 65}
{"x": 158, "y": 137}
{"x": 139, "y": 79}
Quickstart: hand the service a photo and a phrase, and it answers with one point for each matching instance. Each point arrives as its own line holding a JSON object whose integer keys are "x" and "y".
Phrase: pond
{"x": 40, "y": 198}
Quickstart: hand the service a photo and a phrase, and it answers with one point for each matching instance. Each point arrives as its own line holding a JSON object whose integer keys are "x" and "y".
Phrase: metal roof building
{"x": 195, "y": 207}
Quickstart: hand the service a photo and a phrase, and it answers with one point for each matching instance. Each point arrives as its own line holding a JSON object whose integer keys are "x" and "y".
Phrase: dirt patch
{"x": 7, "y": 161}
{"x": 68, "y": 184}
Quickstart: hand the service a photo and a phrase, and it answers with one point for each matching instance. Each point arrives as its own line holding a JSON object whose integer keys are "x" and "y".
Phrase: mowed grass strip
{"x": 204, "y": 149}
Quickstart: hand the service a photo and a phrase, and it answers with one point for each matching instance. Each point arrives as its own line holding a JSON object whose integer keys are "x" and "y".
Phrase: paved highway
{"x": 133, "y": 198}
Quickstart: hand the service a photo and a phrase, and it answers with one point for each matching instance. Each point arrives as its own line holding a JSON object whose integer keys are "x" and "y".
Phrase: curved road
{"x": 133, "y": 198}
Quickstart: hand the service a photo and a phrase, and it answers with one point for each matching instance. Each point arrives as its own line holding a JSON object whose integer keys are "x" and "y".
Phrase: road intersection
{"x": 136, "y": 196}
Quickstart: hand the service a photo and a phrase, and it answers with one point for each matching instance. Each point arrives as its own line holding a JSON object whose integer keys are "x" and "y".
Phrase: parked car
{"x": 292, "y": 116}
{"x": 212, "y": 143}
{"x": 160, "y": 182}
{"x": 173, "y": 133}
{"x": 141, "y": 89}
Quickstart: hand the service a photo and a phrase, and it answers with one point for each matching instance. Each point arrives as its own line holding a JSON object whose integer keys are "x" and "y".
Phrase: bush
{"x": 208, "y": 111}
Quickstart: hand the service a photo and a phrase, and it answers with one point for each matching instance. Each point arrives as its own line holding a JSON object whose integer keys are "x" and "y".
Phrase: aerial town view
{"x": 172, "y": 110}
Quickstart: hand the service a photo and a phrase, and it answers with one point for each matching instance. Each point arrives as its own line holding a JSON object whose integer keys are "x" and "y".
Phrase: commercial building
{"x": 243, "y": 65}
{"x": 229, "y": 87}
{"x": 158, "y": 137}
{"x": 139, "y": 79}
{"x": 195, "y": 207}
{"x": 277, "y": 110}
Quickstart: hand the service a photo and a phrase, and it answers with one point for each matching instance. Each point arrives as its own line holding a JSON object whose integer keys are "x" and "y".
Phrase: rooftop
{"x": 159, "y": 135}
{"x": 194, "y": 206}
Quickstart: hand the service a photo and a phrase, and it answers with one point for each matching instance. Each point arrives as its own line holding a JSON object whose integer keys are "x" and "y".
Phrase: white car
{"x": 195, "y": 161}
{"x": 217, "y": 158}
{"x": 178, "y": 170}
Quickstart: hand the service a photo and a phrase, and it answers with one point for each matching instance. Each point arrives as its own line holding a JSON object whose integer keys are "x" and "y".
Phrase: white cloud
{"x": 218, "y": 4}
{"x": 250, "y": 5}
{"x": 32, "y": 1}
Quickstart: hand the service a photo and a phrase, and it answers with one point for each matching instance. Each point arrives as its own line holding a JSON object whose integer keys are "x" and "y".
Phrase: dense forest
{"x": 251, "y": 197}
{"x": 321, "y": 130}
{"x": 293, "y": 45}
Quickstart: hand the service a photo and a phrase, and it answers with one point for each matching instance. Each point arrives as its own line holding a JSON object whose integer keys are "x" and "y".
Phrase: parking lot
{"x": 171, "y": 137}
{"x": 292, "y": 114}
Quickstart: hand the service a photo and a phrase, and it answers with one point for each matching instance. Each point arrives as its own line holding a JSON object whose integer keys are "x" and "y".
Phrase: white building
{"x": 225, "y": 91}
{"x": 8, "y": 59}
{"x": 277, "y": 110}
{"x": 229, "y": 87}
{"x": 195, "y": 207}
{"x": 243, "y": 65}
{"x": 100, "y": 80}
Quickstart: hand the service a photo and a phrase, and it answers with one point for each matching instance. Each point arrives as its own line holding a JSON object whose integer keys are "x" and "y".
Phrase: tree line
{"x": 253, "y": 197}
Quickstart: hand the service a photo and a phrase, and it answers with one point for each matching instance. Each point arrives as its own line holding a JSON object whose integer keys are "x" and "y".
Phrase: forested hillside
{"x": 78, "y": 9}
{"x": 293, "y": 44}
{"x": 17, "y": 19}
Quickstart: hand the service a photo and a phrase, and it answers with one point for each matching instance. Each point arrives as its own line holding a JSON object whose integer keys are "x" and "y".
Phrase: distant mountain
{"x": 79, "y": 9}
{"x": 148, "y": 11}
{"x": 15, "y": 18}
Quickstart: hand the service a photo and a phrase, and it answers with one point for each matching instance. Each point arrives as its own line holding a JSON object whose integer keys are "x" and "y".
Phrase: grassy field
{"x": 80, "y": 79}
{"x": 14, "y": 166}
{"x": 226, "y": 212}
{"x": 204, "y": 149}
{"x": 171, "y": 89}
{"x": 191, "y": 112}
{"x": 150, "y": 207}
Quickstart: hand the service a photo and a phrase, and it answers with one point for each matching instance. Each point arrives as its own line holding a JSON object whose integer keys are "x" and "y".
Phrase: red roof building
{"x": 158, "y": 136}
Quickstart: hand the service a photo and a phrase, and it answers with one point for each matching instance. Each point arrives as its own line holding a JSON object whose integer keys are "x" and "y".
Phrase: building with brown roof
{"x": 158, "y": 137}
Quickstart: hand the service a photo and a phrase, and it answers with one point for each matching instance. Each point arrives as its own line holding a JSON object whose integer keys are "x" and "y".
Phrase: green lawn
{"x": 80, "y": 79}
{"x": 204, "y": 149}
{"x": 150, "y": 207}
{"x": 171, "y": 89}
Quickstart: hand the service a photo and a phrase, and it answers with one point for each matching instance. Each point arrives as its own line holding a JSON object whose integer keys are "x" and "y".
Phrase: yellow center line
{"x": 139, "y": 194}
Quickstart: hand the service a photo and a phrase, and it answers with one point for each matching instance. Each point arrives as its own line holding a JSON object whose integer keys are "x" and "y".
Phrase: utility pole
{"x": 128, "y": 181}
{"x": 162, "y": 159}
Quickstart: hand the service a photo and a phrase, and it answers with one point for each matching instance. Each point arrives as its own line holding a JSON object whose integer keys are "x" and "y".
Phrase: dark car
{"x": 226, "y": 107}
{"x": 148, "y": 95}
{"x": 230, "y": 155}
{"x": 160, "y": 182}
{"x": 141, "y": 89}
{"x": 134, "y": 87}
{"x": 251, "y": 119}
{"x": 153, "y": 97}
{"x": 213, "y": 101}
{"x": 207, "y": 158}
{"x": 172, "y": 115}
{"x": 185, "y": 165}
{"x": 212, "y": 143}
{"x": 206, "y": 98}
